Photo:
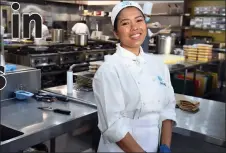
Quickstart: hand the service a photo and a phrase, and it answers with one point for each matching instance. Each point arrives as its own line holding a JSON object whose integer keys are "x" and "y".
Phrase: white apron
{"x": 145, "y": 131}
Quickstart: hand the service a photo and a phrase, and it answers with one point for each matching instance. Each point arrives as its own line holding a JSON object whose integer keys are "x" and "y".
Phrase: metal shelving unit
{"x": 209, "y": 15}
{"x": 187, "y": 14}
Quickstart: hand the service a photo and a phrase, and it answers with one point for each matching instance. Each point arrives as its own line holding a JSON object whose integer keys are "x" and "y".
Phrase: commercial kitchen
{"x": 47, "y": 101}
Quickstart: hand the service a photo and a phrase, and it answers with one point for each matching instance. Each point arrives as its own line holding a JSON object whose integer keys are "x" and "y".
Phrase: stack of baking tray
{"x": 198, "y": 52}
{"x": 190, "y": 52}
{"x": 204, "y": 52}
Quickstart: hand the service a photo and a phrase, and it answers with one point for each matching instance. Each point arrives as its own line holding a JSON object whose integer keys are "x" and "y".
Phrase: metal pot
{"x": 165, "y": 43}
{"x": 58, "y": 35}
{"x": 81, "y": 39}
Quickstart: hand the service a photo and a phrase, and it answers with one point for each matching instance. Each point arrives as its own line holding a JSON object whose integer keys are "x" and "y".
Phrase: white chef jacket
{"x": 119, "y": 92}
{"x": 45, "y": 32}
{"x": 81, "y": 28}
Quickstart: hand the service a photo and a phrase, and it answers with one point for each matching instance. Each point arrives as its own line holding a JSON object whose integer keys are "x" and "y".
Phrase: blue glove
{"x": 164, "y": 149}
{"x": 10, "y": 67}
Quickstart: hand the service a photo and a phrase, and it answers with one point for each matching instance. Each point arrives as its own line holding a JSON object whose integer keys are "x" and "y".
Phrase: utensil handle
{"x": 62, "y": 98}
{"x": 61, "y": 111}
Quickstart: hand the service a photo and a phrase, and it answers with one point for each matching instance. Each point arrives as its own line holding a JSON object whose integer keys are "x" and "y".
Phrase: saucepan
{"x": 81, "y": 39}
{"x": 58, "y": 35}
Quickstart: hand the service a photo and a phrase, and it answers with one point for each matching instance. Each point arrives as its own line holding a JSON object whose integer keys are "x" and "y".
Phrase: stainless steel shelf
{"x": 5, "y": 3}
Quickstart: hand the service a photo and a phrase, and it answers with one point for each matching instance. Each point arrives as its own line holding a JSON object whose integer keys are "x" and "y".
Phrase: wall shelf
{"x": 187, "y": 14}
{"x": 95, "y": 16}
{"x": 209, "y": 15}
{"x": 193, "y": 28}
{"x": 173, "y": 27}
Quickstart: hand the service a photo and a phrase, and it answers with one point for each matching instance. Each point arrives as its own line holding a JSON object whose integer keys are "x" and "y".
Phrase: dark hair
{"x": 82, "y": 21}
{"x": 116, "y": 18}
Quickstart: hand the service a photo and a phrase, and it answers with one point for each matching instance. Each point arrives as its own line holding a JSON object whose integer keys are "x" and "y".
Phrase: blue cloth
{"x": 10, "y": 67}
{"x": 164, "y": 149}
{"x": 147, "y": 19}
{"x": 145, "y": 44}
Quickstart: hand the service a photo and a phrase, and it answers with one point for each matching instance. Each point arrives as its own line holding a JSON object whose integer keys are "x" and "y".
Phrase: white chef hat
{"x": 118, "y": 7}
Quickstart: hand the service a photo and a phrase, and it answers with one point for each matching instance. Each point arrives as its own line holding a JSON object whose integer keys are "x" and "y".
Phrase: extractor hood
{"x": 63, "y": 1}
{"x": 87, "y": 2}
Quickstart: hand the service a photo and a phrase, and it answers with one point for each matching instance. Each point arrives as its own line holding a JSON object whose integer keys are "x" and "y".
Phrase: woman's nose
{"x": 134, "y": 26}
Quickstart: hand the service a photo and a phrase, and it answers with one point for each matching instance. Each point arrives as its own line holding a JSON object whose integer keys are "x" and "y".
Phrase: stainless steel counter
{"x": 82, "y": 96}
{"x": 191, "y": 65}
{"x": 39, "y": 125}
{"x": 23, "y": 78}
{"x": 208, "y": 123}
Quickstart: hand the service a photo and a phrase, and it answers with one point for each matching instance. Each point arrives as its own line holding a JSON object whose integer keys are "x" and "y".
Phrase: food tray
{"x": 84, "y": 80}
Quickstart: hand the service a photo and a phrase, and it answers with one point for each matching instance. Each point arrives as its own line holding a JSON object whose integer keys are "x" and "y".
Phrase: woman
{"x": 133, "y": 92}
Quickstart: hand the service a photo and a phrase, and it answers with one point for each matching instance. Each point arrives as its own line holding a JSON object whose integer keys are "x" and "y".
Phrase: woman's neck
{"x": 135, "y": 51}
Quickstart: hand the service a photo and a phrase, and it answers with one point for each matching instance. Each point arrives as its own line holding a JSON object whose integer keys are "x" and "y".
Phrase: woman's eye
{"x": 139, "y": 20}
{"x": 125, "y": 23}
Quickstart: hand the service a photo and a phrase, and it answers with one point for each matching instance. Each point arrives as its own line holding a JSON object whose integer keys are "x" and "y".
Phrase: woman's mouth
{"x": 135, "y": 36}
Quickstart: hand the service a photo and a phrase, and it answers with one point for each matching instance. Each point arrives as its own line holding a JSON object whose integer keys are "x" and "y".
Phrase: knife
{"x": 61, "y": 111}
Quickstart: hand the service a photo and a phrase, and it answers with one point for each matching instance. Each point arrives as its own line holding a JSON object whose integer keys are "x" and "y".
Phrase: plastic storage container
{"x": 23, "y": 95}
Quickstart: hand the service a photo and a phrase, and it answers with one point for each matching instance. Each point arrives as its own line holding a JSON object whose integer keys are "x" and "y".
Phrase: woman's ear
{"x": 116, "y": 34}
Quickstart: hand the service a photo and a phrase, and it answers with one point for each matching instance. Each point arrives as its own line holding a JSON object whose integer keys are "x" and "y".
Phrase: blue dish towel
{"x": 10, "y": 67}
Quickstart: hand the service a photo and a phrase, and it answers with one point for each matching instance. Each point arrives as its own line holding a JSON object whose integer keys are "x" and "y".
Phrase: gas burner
{"x": 32, "y": 50}
{"x": 98, "y": 47}
{"x": 109, "y": 46}
{"x": 69, "y": 49}
{"x": 87, "y": 48}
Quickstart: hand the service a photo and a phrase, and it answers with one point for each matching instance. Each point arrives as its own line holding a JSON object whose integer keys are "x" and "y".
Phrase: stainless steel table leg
{"x": 194, "y": 80}
{"x": 185, "y": 74}
{"x": 52, "y": 145}
{"x": 222, "y": 74}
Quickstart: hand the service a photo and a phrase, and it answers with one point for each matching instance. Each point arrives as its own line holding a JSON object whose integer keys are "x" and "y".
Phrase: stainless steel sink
{"x": 8, "y": 133}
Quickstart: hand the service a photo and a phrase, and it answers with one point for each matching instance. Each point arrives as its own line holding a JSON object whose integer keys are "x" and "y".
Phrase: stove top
{"x": 32, "y": 49}
{"x": 68, "y": 49}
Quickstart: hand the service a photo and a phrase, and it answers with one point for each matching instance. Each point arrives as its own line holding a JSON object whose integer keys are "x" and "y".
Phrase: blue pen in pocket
{"x": 161, "y": 81}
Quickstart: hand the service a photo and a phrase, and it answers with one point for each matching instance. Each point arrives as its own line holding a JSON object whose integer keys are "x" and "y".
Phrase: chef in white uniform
{"x": 45, "y": 34}
{"x": 80, "y": 28}
{"x": 133, "y": 91}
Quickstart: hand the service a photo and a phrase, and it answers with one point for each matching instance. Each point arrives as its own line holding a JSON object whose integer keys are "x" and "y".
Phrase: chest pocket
{"x": 154, "y": 93}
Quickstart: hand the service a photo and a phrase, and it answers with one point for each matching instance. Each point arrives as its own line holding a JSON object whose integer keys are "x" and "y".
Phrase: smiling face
{"x": 131, "y": 28}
